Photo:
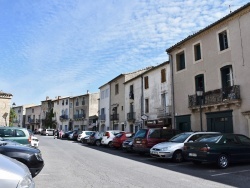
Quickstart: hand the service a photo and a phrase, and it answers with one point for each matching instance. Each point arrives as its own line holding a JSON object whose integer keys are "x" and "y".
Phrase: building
{"x": 20, "y": 111}
{"x": 210, "y": 76}
{"x": 33, "y": 117}
{"x": 148, "y": 99}
{"x": 5, "y": 101}
{"x": 104, "y": 108}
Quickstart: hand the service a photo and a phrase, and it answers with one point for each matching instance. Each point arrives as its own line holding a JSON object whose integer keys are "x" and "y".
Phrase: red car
{"x": 119, "y": 138}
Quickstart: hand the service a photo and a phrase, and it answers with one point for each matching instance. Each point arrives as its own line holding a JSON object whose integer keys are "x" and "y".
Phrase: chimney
{"x": 47, "y": 98}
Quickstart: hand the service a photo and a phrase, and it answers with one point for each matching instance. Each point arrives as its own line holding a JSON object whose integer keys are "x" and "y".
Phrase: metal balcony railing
{"x": 114, "y": 117}
{"x": 217, "y": 96}
{"x": 78, "y": 116}
{"x": 131, "y": 116}
{"x": 164, "y": 111}
{"x": 64, "y": 117}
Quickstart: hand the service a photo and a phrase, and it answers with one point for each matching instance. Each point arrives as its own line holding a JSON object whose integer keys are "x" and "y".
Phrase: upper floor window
{"x": 77, "y": 103}
{"x": 66, "y": 101}
{"x": 131, "y": 92}
{"x": 62, "y": 102}
{"x": 180, "y": 61}
{"x": 146, "y": 106}
{"x": 197, "y": 52}
{"x": 116, "y": 89}
{"x": 163, "y": 75}
{"x": 227, "y": 76}
{"x": 223, "y": 40}
{"x": 83, "y": 101}
{"x": 106, "y": 93}
{"x": 146, "y": 82}
{"x": 32, "y": 110}
{"x": 102, "y": 95}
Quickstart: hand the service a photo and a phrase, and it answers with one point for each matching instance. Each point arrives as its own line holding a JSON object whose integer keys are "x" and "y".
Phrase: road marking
{"x": 44, "y": 174}
{"x": 230, "y": 173}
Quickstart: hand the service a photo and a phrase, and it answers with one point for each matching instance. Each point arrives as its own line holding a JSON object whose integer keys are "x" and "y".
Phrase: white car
{"x": 83, "y": 134}
{"x": 107, "y": 139}
{"x": 174, "y": 147}
{"x": 14, "y": 174}
{"x": 34, "y": 141}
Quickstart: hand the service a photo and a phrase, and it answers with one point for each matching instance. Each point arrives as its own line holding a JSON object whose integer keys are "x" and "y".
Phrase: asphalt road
{"x": 69, "y": 164}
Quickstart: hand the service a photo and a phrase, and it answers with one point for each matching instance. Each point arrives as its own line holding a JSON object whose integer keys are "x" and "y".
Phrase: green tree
{"x": 49, "y": 122}
{"x": 12, "y": 117}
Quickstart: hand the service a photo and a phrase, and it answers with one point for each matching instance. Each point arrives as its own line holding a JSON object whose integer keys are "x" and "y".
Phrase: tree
{"x": 12, "y": 117}
{"x": 49, "y": 122}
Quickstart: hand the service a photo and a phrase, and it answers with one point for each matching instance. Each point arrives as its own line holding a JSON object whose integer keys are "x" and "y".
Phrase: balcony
{"x": 102, "y": 117}
{"x": 114, "y": 117}
{"x": 38, "y": 121}
{"x": 131, "y": 116}
{"x": 79, "y": 116}
{"x": 64, "y": 117}
{"x": 163, "y": 112}
{"x": 215, "y": 98}
{"x": 31, "y": 120}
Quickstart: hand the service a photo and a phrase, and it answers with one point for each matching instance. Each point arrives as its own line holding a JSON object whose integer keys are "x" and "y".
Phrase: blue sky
{"x": 62, "y": 47}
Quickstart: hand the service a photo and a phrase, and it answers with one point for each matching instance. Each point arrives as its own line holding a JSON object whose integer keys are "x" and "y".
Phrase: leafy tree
{"x": 49, "y": 122}
{"x": 12, "y": 117}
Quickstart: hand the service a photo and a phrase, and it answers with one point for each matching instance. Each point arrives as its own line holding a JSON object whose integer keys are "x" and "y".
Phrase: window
{"x": 223, "y": 40}
{"x": 199, "y": 82}
{"x": 83, "y": 101}
{"x": 62, "y": 102}
{"x": 146, "y": 106}
{"x": 20, "y": 133}
{"x": 106, "y": 93}
{"x": 102, "y": 95}
{"x": 77, "y": 103}
{"x": 131, "y": 92}
{"x": 163, "y": 75}
{"x": 32, "y": 110}
{"x": 66, "y": 101}
{"x": 146, "y": 82}
{"x": 116, "y": 89}
{"x": 197, "y": 52}
{"x": 180, "y": 61}
{"x": 227, "y": 76}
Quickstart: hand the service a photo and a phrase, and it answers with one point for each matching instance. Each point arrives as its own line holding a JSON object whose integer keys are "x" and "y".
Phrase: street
{"x": 72, "y": 164}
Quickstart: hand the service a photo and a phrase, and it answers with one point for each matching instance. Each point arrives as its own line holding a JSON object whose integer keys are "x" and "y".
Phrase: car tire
{"x": 98, "y": 143}
{"x": 177, "y": 157}
{"x": 110, "y": 144}
{"x": 223, "y": 161}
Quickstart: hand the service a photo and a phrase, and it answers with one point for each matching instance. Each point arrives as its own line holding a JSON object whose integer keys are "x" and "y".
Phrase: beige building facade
{"x": 213, "y": 63}
{"x": 5, "y": 105}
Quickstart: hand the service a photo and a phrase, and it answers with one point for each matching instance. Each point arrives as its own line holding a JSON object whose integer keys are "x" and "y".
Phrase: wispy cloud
{"x": 51, "y": 48}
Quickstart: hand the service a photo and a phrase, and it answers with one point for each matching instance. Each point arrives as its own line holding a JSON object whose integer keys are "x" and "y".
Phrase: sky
{"x": 64, "y": 48}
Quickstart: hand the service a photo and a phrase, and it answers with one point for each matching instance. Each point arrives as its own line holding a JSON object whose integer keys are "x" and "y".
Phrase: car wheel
{"x": 97, "y": 142}
{"x": 223, "y": 161}
{"x": 177, "y": 157}
{"x": 196, "y": 162}
{"x": 110, "y": 144}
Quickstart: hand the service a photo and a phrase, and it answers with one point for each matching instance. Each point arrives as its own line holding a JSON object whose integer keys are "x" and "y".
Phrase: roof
{"x": 5, "y": 95}
{"x": 208, "y": 27}
{"x": 153, "y": 68}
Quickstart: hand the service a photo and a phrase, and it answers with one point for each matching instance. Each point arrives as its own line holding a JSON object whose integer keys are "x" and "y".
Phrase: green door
{"x": 183, "y": 123}
{"x": 220, "y": 121}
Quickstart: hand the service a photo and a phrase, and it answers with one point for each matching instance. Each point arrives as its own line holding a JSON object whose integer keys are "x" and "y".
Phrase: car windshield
{"x": 141, "y": 133}
{"x": 180, "y": 138}
{"x": 119, "y": 135}
{"x": 209, "y": 138}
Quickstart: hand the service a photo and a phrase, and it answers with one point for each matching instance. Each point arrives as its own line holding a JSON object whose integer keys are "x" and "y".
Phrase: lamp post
{"x": 199, "y": 94}
{"x": 113, "y": 111}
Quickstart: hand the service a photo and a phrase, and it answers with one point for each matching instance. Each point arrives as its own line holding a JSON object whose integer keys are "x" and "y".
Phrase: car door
{"x": 245, "y": 146}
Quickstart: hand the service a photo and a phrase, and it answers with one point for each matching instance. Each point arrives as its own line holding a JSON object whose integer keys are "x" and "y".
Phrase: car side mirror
{"x": 190, "y": 141}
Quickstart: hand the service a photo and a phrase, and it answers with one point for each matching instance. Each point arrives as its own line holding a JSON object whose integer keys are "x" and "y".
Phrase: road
{"x": 70, "y": 164}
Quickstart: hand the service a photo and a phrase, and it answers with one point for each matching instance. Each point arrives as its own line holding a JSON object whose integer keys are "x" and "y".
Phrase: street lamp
{"x": 113, "y": 111}
{"x": 200, "y": 94}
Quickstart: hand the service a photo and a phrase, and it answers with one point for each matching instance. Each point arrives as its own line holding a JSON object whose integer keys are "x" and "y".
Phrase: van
{"x": 146, "y": 138}
{"x": 48, "y": 132}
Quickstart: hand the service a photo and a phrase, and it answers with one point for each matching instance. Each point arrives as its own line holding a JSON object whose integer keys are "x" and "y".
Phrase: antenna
{"x": 230, "y": 8}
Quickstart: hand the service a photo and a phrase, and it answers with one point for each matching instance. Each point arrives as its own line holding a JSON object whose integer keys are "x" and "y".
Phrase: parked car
{"x": 83, "y": 134}
{"x": 147, "y": 138}
{"x": 29, "y": 156}
{"x": 127, "y": 145}
{"x": 34, "y": 140}
{"x": 85, "y": 139}
{"x": 14, "y": 174}
{"x": 18, "y": 134}
{"x": 107, "y": 139}
{"x": 48, "y": 132}
{"x": 95, "y": 138}
{"x": 221, "y": 149}
{"x": 66, "y": 134}
{"x": 174, "y": 147}
{"x": 119, "y": 138}
{"x": 74, "y": 135}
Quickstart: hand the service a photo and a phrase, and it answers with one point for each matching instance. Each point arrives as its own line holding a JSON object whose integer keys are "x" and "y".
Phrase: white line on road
{"x": 230, "y": 173}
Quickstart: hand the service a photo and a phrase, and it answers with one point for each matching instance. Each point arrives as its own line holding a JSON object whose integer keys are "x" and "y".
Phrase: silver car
{"x": 174, "y": 147}
{"x": 14, "y": 174}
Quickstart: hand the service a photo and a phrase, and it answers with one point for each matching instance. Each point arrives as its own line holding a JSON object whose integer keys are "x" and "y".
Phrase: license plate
{"x": 192, "y": 154}
{"x": 154, "y": 152}
{"x": 138, "y": 142}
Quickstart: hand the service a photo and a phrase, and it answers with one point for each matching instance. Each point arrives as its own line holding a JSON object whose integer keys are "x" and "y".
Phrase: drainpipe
{"x": 142, "y": 100}
{"x": 172, "y": 91}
